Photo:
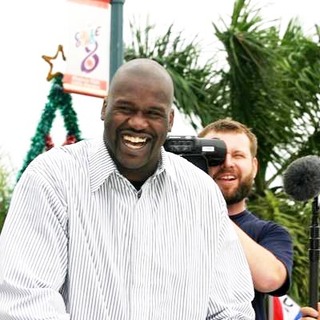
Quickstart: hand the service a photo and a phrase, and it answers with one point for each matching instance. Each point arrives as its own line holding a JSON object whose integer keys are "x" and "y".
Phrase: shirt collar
{"x": 101, "y": 165}
{"x": 166, "y": 165}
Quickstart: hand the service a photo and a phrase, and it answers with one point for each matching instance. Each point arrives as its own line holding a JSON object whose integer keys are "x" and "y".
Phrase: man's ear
{"x": 255, "y": 166}
{"x": 171, "y": 119}
{"x": 103, "y": 109}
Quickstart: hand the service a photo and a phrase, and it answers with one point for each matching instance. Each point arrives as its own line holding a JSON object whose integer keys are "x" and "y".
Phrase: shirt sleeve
{"x": 33, "y": 252}
{"x": 232, "y": 290}
{"x": 277, "y": 240}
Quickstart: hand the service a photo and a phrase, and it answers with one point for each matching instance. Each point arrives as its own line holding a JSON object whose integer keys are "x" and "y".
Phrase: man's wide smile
{"x": 134, "y": 142}
{"x": 226, "y": 177}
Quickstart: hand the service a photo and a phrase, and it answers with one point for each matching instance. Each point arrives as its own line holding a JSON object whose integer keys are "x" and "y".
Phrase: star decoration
{"x": 48, "y": 59}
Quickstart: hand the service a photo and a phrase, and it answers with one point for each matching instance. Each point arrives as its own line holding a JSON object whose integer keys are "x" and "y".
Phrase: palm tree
{"x": 272, "y": 85}
{"x": 272, "y": 82}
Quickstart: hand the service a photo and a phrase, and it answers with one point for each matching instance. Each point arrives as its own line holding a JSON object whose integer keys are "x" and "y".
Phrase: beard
{"x": 240, "y": 193}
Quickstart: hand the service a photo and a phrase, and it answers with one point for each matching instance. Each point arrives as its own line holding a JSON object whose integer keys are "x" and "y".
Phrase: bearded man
{"x": 267, "y": 245}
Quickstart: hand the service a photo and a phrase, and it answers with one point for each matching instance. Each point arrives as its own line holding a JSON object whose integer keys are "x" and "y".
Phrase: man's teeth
{"x": 135, "y": 139}
{"x": 134, "y": 142}
{"x": 227, "y": 178}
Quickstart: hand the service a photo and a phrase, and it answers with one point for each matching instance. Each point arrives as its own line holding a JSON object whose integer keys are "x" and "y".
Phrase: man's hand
{"x": 309, "y": 313}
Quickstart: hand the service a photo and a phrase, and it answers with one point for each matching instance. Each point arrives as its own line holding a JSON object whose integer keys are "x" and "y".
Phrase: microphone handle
{"x": 314, "y": 253}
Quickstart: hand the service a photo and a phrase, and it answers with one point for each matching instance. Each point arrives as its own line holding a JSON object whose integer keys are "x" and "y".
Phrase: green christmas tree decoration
{"x": 57, "y": 100}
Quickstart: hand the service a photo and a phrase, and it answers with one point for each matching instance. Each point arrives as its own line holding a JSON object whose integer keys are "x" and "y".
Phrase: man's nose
{"x": 228, "y": 162}
{"x": 138, "y": 121}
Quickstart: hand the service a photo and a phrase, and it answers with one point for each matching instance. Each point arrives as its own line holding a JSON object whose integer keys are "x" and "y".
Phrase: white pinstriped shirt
{"x": 81, "y": 243}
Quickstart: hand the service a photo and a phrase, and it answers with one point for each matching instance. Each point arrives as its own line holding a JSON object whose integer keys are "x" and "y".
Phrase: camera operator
{"x": 268, "y": 246}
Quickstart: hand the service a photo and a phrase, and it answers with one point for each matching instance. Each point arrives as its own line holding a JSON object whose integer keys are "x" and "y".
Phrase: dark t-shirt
{"x": 277, "y": 240}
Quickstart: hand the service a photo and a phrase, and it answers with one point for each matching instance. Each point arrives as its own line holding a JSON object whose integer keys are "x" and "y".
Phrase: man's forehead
{"x": 239, "y": 139}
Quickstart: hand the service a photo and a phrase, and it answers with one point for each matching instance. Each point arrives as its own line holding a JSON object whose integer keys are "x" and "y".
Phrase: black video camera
{"x": 201, "y": 152}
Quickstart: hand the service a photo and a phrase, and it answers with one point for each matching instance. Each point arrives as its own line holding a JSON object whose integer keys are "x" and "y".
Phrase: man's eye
{"x": 155, "y": 113}
{"x": 239, "y": 156}
{"x": 124, "y": 109}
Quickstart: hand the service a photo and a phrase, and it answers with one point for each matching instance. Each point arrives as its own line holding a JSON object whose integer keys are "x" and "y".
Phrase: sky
{"x": 32, "y": 28}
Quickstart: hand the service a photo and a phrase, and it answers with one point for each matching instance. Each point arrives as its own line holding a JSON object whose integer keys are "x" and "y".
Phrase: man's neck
{"x": 236, "y": 208}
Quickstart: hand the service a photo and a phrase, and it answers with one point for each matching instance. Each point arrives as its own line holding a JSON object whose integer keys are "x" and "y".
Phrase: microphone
{"x": 301, "y": 180}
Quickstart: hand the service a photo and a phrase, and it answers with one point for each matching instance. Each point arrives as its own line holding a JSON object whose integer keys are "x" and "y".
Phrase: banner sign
{"x": 88, "y": 47}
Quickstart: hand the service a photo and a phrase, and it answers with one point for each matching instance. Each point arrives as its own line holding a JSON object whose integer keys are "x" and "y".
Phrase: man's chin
{"x": 132, "y": 165}
{"x": 232, "y": 201}
{"x": 231, "y": 198}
